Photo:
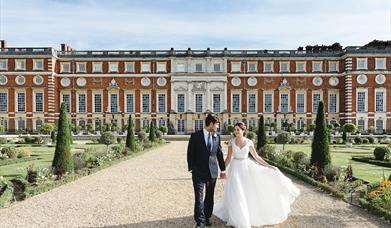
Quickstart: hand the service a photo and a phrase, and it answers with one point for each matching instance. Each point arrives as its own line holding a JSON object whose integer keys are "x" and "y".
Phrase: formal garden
{"x": 351, "y": 166}
{"x": 30, "y": 165}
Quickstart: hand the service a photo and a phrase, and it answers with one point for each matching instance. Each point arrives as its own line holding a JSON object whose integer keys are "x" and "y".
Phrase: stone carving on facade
{"x": 180, "y": 88}
{"x": 269, "y": 81}
{"x": 199, "y": 86}
{"x": 284, "y": 85}
{"x": 301, "y": 81}
{"x": 129, "y": 81}
{"x": 113, "y": 84}
{"x": 96, "y": 81}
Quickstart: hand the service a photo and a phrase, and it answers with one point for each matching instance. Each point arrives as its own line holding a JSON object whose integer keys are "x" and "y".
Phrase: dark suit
{"x": 202, "y": 162}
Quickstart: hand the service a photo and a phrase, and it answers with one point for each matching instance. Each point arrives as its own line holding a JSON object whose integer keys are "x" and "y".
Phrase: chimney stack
{"x": 3, "y": 44}
{"x": 64, "y": 47}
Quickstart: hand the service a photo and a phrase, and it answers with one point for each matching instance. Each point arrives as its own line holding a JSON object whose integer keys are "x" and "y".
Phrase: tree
{"x": 47, "y": 128}
{"x": 130, "y": 139}
{"x": 53, "y": 136}
{"x": 63, "y": 161}
{"x": 283, "y": 138}
{"x": 152, "y": 132}
{"x": 320, "y": 154}
{"x": 262, "y": 139}
{"x": 108, "y": 138}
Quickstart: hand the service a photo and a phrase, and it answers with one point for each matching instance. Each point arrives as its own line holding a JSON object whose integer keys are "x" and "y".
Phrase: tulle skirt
{"x": 255, "y": 195}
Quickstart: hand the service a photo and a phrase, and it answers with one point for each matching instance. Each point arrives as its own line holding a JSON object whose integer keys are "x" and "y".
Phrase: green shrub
{"x": 365, "y": 141}
{"x": 108, "y": 138}
{"x": 141, "y": 136}
{"x": 299, "y": 157}
{"x": 159, "y": 134}
{"x": 78, "y": 161}
{"x": 24, "y": 152}
{"x": 32, "y": 175}
{"x": 118, "y": 150}
{"x": 381, "y": 153}
{"x": 11, "y": 152}
{"x": 331, "y": 172}
{"x": 250, "y": 135}
{"x": 357, "y": 140}
{"x": 163, "y": 129}
{"x": 371, "y": 139}
{"x": 3, "y": 140}
{"x": 120, "y": 140}
{"x": 283, "y": 138}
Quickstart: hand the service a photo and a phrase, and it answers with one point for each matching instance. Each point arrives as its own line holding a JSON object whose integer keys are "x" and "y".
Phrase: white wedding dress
{"x": 254, "y": 195}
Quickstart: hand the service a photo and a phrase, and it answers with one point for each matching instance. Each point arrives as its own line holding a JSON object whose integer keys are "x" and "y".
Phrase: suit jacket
{"x": 201, "y": 160}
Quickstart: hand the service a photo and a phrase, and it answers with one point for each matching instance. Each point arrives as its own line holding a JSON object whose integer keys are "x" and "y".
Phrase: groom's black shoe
{"x": 200, "y": 225}
{"x": 208, "y": 223}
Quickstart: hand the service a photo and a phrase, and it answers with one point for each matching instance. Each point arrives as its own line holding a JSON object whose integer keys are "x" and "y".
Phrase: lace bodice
{"x": 240, "y": 153}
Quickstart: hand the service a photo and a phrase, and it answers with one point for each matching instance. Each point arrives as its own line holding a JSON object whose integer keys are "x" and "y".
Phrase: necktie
{"x": 209, "y": 142}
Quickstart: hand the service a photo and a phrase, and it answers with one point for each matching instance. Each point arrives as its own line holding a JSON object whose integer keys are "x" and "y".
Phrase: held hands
{"x": 222, "y": 175}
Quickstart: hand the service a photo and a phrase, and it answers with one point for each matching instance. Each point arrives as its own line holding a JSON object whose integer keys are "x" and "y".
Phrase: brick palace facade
{"x": 184, "y": 85}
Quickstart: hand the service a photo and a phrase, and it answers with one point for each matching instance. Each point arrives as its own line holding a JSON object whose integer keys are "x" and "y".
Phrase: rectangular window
{"x": 145, "y": 123}
{"x": 333, "y": 103}
{"x": 113, "y": 102}
{"x": 268, "y": 104}
{"x": 198, "y": 103}
{"x": 66, "y": 98}
{"x": 161, "y": 67}
{"x": 97, "y": 67}
{"x": 300, "y": 124}
{"x": 235, "y": 102}
{"x": 333, "y": 67}
{"x": 113, "y": 67}
{"x": 20, "y": 64}
{"x": 3, "y": 64}
{"x": 145, "y": 103}
{"x": 180, "y": 67}
{"x": 82, "y": 103}
{"x": 65, "y": 68}
{"x": 129, "y": 102}
{"x": 300, "y": 105}
{"x": 38, "y": 64}
{"x": 162, "y": 103}
{"x": 284, "y": 102}
{"x": 181, "y": 125}
{"x": 129, "y": 67}
{"x": 252, "y": 100}
{"x": 379, "y": 96}
{"x": 379, "y": 126}
{"x": 300, "y": 67}
{"x": 361, "y": 106}
{"x": 97, "y": 103}
{"x": 216, "y": 102}
{"x": 268, "y": 67}
{"x": 145, "y": 67}
{"x": 198, "y": 67}
{"x": 217, "y": 67}
{"x": 315, "y": 102}
{"x": 362, "y": 64}
{"x": 39, "y": 102}
{"x": 235, "y": 67}
{"x": 81, "y": 67}
{"x": 284, "y": 67}
{"x": 317, "y": 67}
{"x": 199, "y": 124}
{"x": 361, "y": 125}
{"x": 380, "y": 63}
{"x": 3, "y": 102}
{"x": 181, "y": 102}
{"x": 252, "y": 67}
{"x": 21, "y": 102}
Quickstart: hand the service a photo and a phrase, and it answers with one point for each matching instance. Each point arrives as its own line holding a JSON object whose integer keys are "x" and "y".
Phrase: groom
{"x": 203, "y": 154}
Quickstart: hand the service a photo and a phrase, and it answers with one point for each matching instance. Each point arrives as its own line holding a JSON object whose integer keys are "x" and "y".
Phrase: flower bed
{"x": 370, "y": 160}
{"x": 377, "y": 199}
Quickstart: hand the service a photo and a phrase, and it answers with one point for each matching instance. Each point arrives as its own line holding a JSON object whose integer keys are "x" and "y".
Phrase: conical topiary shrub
{"x": 130, "y": 139}
{"x": 63, "y": 161}
{"x": 320, "y": 155}
{"x": 152, "y": 132}
{"x": 262, "y": 139}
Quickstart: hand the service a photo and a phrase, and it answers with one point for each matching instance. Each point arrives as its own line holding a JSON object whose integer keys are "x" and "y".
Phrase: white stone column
{"x": 207, "y": 98}
{"x": 225, "y": 96}
{"x": 189, "y": 97}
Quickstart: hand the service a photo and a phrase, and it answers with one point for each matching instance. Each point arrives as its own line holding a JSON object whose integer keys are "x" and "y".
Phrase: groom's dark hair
{"x": 211, "y": 119}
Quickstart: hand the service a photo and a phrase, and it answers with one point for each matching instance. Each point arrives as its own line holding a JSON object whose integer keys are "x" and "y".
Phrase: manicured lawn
{"x": 45, "y": 156}
{"x": 341, "y": 156}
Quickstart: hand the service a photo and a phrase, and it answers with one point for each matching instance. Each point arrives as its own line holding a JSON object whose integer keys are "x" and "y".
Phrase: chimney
{"x": 3, "y": 43}
{"x": 64, "y": 47}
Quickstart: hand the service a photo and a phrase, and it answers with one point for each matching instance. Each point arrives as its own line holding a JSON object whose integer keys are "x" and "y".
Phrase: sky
{"x": 198, "y": 24}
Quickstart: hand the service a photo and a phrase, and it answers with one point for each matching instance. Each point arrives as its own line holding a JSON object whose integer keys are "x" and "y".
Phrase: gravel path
{"x": 154, "y": 190}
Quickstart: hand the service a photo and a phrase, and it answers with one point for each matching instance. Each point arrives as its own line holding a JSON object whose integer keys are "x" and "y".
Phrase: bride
{"x": 255, "y": 193}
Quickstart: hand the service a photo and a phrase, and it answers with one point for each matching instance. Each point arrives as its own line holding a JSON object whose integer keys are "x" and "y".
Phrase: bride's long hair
{"x": 242, "y": 126}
